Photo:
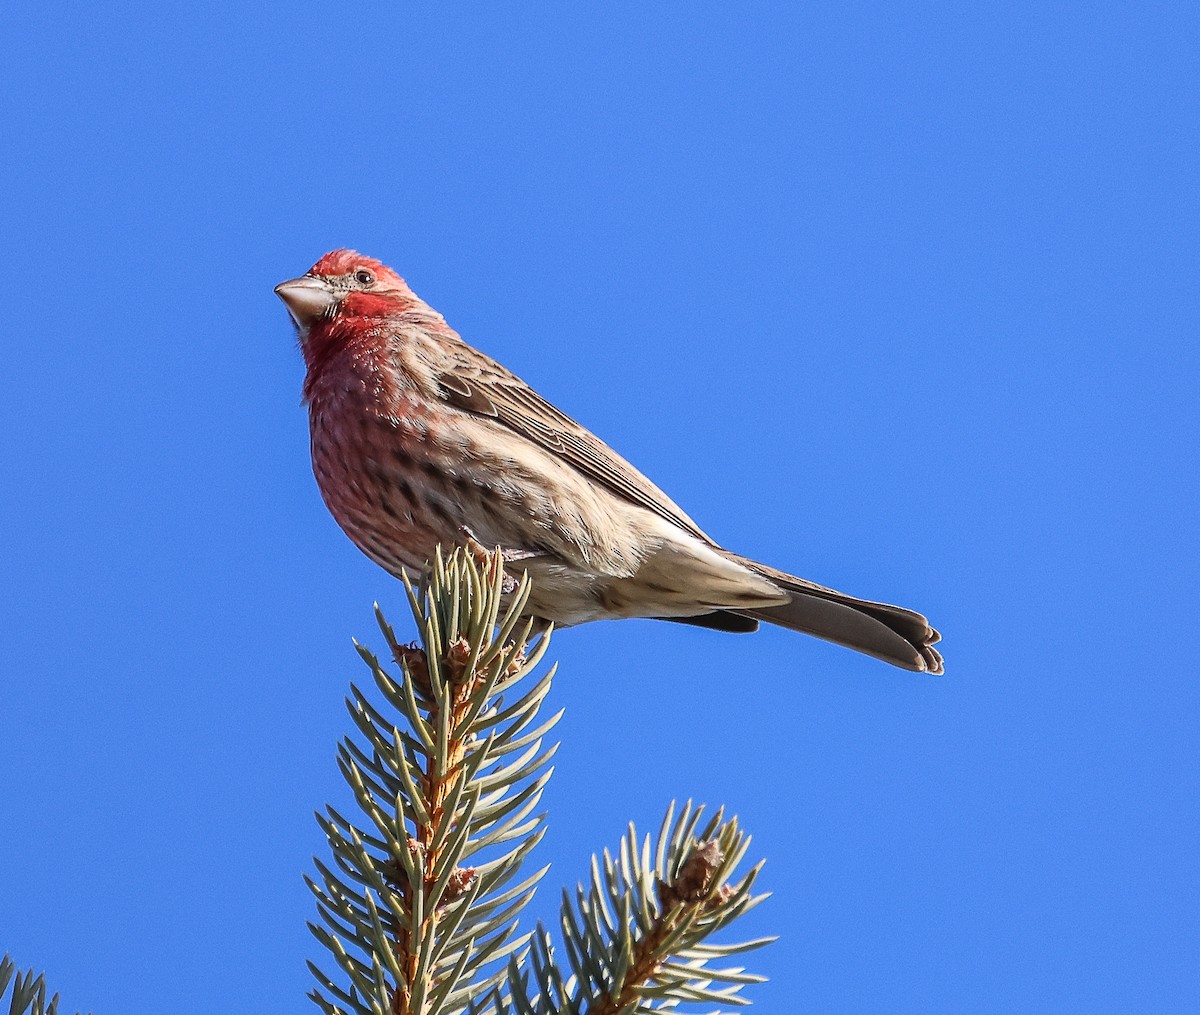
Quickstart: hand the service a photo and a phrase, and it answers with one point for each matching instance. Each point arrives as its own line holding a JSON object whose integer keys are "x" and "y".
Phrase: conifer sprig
{"x": 635, "y": 936}
{"x": 419, "y": 906}
{"x": 29, "y": 991}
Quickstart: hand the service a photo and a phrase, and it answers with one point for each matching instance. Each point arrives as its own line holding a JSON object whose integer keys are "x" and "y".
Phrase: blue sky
{"x": 904, "y": 300}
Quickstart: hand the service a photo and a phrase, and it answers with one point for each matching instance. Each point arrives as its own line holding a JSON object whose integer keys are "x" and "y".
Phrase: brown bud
{"x": 459, "y": 884}
{"x": 695, "y": 878}
{"x": 457, "y": 657}
{"x": 668, "y": 898}
{"x": 394, "y": 872}
{"x": 412, "y": 660}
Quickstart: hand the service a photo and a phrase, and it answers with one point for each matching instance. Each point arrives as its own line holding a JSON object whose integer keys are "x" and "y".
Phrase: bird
{"x": 419, "y": 440}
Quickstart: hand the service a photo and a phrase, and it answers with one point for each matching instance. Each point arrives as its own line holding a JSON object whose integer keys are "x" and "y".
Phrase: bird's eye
{"x": 364, "y": 277}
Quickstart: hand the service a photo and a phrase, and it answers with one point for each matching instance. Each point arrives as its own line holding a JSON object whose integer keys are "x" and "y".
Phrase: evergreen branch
{"x": 417, "y": 908}
{"x": 28, "y": 991}
{"x": 635, "y": 936}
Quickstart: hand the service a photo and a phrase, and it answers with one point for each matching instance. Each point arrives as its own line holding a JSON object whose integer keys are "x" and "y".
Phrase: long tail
{"x": 895, "y": 635}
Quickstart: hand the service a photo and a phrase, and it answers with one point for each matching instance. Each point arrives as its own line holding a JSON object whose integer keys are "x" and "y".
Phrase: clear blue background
{"x": 904, "y": 300}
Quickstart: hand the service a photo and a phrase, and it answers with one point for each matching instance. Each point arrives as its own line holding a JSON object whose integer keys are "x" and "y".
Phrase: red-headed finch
{"x": 418, "y": 439}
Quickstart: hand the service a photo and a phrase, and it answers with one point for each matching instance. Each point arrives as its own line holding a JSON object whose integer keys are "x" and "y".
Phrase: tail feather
{"x": 891, "y": 633}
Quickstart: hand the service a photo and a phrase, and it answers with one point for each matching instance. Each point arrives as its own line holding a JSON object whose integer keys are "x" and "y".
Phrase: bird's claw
{"x": 486, "y": 559}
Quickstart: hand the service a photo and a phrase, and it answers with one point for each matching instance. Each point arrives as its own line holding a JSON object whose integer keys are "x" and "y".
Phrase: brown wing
{"x": 480, "y": 385}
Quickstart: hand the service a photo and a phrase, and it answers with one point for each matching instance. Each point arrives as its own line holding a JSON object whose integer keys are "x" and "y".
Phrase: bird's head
{"x": 343, "y": 284}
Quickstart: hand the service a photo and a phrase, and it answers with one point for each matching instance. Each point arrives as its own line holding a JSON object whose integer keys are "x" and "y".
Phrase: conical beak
{"x": 306, "y": 299}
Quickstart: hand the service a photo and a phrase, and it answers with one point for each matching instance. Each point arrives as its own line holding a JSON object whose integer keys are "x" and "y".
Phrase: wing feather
{"x": 476, "y": 383}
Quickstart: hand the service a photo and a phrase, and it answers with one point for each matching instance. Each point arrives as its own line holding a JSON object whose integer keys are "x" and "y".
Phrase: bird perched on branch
{"x": 419, "y": 439}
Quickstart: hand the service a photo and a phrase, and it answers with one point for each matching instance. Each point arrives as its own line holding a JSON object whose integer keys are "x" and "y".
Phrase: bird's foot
{"x": 486, "y": 559}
